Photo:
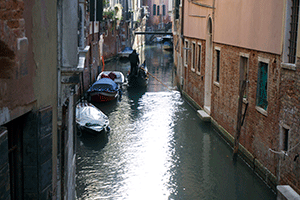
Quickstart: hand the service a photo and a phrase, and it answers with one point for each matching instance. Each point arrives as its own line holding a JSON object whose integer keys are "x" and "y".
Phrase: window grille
{"x": 293, "y": 31}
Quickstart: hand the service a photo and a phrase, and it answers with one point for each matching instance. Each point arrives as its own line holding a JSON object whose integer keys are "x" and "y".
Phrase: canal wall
{"x": 268, "y": 177}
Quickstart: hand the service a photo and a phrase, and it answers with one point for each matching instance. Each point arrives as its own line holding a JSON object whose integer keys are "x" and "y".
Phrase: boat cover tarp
{"x": 87, "y": 115}
{"x": 104, "y": 85}
{"x": 119, "y": 76}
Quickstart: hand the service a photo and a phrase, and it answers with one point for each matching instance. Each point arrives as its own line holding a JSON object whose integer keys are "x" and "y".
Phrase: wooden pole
{"x": 103, "y": 64}
{"x": 157, "y": 79}
{"x": 239, "y": 118}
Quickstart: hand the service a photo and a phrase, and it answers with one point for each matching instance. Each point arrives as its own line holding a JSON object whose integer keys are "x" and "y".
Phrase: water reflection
{"x": 159, "y": 149}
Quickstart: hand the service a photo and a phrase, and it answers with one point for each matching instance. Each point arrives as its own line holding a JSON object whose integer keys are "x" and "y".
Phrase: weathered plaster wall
{"x": 249, "y": 24}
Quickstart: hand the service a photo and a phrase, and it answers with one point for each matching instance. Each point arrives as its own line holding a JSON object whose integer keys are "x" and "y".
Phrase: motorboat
{"x": 168, "y": 45}
{"x": 141, "y": 78}
{"x": 157, "y": 39}
{"x": 126, "y": 52}
{"x": 104, "y": 89}
{"x": 168, "y": 42}
{"x": 90, "y": 119}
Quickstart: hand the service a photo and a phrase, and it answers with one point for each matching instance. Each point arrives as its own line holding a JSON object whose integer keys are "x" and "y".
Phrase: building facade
{"x": 159, "y": 14}
{"x": 28, "y": 99}
{"x": 221, "y": 45}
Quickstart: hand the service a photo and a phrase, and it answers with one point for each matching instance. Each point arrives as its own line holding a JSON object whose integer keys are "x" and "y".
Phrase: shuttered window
{"x": 96, "y": 8}
{"x": 262, "y": 86}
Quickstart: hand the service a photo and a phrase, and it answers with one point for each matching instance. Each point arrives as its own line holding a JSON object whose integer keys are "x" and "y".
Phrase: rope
{"x": 284, "y": 152}
{"x": 293, "y": 147}
{"x": 278, "y": 152}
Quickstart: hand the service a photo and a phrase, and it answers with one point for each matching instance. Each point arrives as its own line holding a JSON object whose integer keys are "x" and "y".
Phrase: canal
{"x": 158, "y": 148}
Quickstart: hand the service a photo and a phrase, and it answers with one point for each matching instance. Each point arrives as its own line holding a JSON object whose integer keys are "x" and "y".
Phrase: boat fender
{"x": 108, "y": 129}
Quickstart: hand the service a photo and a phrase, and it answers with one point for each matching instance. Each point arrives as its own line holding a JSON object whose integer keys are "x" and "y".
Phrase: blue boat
{"x": 105, "y": 89}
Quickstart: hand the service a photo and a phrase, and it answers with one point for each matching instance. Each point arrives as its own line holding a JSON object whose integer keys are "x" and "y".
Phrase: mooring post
{"x": 239, "y": 118}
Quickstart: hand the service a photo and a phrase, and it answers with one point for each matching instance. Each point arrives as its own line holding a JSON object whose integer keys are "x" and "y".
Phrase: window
{"x": 194, "y": 56}
{"x": 290, "y": 33}
{"x": 164, "y": 10}
{"x": 244, "y": 72}
{"x": 285, "y": 139}
{"x": 199, "y": 59}
{"x": 177, "y": 3}
{"x": 293, "y": 31}
{"x": 218, "y": 65}
{"x": 186, "y": 54}
{"x": 96, "y": 10}
{"x": 158, "y": 10}
{"x": 154, "y": 9}
{"x": 262, "y": 85}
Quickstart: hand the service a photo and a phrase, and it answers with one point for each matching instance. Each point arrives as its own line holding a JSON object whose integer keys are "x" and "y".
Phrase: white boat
{"x": 90, "y": 119}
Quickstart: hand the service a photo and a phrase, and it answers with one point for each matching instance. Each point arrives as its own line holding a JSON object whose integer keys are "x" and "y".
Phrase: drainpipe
{"x": 182, "y": 19}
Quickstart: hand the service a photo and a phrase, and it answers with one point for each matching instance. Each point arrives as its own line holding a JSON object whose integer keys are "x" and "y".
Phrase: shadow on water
{"x": 94, "y": 142}
{"x": 135, "y": 94}
{"x": 107, "y": 107}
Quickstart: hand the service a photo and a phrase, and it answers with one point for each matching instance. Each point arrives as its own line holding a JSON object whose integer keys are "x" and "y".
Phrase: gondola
{"x": 140, "y": 79}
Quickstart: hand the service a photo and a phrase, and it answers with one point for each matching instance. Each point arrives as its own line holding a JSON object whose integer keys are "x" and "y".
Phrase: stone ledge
{"x": 288, "y": 66}
{"x": 203, "y": 115}
{"x": 286, "y": 192}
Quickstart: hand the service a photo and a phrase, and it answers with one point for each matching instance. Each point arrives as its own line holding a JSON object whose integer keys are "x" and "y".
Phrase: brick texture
{"x": 260, "y": 131}
{"x": 289, "y": 167}
{"x": 11, "y": 27}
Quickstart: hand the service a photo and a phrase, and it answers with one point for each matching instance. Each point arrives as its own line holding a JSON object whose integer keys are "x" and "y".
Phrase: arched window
{"x": 209, "y": 28}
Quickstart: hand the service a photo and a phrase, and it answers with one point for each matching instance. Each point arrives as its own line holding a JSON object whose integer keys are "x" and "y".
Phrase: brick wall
{"x": 195, "y": 81}
{"x": 12, "y": 26}
{"x": 289, "y": 117}
{"x": 260, "y": 130}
